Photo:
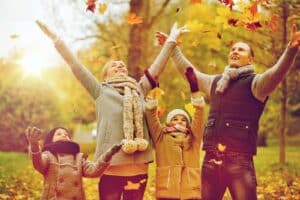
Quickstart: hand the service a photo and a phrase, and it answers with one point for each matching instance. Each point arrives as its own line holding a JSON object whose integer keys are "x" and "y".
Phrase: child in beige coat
{"x": 62, "y": 165}
{"x": 177, "y": 148}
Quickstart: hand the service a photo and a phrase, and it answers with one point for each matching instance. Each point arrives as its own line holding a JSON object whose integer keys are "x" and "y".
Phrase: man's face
{"x": 239, "y": 55}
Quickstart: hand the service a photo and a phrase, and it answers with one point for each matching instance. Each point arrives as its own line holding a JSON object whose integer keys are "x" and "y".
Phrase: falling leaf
{"x": 132, "y": 19}
{"x": 232, "y": 21}
{"x": 160, "y": 111}
{"x": 228, "y": 3}
{"x": 102, "y": 8}
{"x": 14, "y": 36}
{"x": 156, "y": 93}
{"x": 132, "y": 186}
{"x": 91, "y": 5}
{"x": 195, "y": 42}
{"x": 195, "y": 1}
{"x": 221, "y": 147}
{"x": 253, "y": 9}
{"x": 194, "y": 26}
{"x": 190, "y": 108}
{"x": 273, "y": 23}
{"x": 253, "y": 25}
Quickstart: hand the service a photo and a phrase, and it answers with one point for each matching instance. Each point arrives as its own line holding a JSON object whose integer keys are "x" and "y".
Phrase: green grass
{"x": 18, "y": 179}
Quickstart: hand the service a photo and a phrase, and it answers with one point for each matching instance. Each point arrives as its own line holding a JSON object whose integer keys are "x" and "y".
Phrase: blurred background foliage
{"x": 56, "y": 97}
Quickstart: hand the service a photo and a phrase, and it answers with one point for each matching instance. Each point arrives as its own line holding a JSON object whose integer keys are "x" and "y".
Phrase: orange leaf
{"x": 132, "y": 18}
{"x": 253, "y": 9}
{"x": 221, "y": 147}
{"x": 91, "y": 5}
{"x": 195, "y": 1}
{"x": 273, "y": 23}
{"x": 102, "y": 8}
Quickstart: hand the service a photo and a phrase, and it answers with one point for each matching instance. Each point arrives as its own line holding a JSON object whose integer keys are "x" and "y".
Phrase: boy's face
{"x": 60, "y": 135}
{"x": 180, "y": 120}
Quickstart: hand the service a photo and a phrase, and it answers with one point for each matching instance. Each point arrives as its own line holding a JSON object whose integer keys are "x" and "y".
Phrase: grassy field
{"x": 18, "y": 179}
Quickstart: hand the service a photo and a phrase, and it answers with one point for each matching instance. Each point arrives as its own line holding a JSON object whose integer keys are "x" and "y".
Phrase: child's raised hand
{"x": 33, "y": 134}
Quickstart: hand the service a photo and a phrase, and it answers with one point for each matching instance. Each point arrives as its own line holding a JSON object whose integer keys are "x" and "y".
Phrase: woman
{"x": 119, "y": 103}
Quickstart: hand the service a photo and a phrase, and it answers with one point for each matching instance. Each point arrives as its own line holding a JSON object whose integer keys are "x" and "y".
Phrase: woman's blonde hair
{"x": 107, "y": 65}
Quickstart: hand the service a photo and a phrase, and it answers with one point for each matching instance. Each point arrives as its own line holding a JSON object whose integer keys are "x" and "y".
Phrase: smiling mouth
{"x": 234, "y": 58}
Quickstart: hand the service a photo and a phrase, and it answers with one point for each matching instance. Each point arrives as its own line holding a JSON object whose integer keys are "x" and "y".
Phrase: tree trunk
{"x": 137, "y": 42}
{"x": 283, "y": 91}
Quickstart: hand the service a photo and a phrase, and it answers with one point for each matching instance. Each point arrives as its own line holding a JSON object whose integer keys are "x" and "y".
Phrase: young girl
{"x": 62, "y": 165}
{"x": 177, "y": 148}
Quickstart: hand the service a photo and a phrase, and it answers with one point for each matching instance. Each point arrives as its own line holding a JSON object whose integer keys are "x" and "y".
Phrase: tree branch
{"x": 158, "y": 14}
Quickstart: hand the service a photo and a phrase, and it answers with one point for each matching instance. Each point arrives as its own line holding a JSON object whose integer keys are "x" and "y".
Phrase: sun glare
{"x": 33, "y": 64}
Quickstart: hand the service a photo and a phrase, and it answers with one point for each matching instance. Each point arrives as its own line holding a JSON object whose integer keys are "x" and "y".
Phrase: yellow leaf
{"x": 156, "y": 93}
{"x": 132, "y": 186}
{"x": 190, "y": 108}
{"x": 221, "y": 147}
{"x": 183, "y": 95}
{"x": 194, "y": 26}
{"x": 102, "y": 8}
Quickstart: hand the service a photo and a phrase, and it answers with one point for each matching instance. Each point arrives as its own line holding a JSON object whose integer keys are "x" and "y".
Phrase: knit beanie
{"x": 175, "y": 112}
{"x": 49, "y": 136}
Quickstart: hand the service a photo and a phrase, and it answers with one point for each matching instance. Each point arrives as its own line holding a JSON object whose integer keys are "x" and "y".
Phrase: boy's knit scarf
{"x": 132, "y": 106}
{"x": 67, "y": 147}
{"x": 231, "y": 73}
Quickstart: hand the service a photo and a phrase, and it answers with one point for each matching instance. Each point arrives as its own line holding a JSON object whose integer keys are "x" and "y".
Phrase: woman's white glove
{"x": 176, "y": 32}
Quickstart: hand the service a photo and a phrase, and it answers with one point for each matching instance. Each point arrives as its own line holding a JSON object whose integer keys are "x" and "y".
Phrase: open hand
{"x": 176, "y": 32}
{"x": 161, "y": 37}
{"x": 33, "y": 134}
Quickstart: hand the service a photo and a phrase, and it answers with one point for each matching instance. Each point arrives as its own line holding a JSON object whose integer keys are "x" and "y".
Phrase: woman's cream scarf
{"x": 132, "y": 114}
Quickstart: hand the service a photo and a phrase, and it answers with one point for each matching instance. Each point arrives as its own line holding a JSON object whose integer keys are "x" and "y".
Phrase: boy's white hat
{"x": 175, "y": 112}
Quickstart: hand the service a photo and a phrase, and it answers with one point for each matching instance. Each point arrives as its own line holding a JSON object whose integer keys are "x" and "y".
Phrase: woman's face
{"x": 116, "y": 70}
{"x": 180, "y": 120}
{"x": 60, "y": 135}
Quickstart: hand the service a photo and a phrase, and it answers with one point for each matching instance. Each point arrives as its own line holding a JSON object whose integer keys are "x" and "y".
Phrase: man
{"x": 237, "y": 99}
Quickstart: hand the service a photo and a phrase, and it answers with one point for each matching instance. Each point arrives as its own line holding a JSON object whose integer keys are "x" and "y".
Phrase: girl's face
{"x": 60, "y": 135}
{"x": 116, "y": 70}
{"x": 180, "y": 120}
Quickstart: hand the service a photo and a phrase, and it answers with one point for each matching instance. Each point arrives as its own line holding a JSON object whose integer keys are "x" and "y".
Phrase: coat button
{"x": 246, "y": 127}
{"x": 76, "y": 183}
{"x": 227, "y": 124}
{"x": 60, "y": 180}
